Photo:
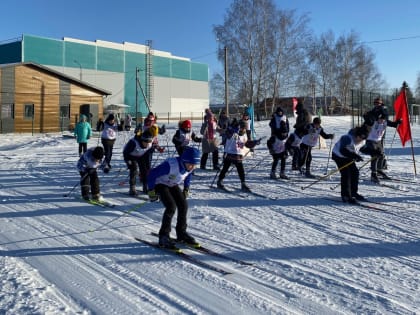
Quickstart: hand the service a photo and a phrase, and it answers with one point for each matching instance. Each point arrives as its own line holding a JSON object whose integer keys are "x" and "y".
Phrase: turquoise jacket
{"x": 82, "y": 131}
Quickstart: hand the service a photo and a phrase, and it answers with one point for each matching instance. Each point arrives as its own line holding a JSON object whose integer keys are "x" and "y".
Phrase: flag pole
{"x": 409, "y": 124}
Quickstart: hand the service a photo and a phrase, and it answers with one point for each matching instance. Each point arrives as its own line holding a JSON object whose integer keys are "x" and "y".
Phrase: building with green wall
{"x": 137, "y": 75}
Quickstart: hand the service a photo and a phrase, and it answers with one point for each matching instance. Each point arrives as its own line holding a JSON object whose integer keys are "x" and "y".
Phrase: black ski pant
{"x": 306, "y": 157}
{"x": 82, "y": 147}
{"x": 142, "y": 164}
{"x": 215, "y": 159}
{"x": 89, "y": 182}
{"x": 276, "y": 158}
{"x": 349, "y": 176}
{"x": 108, "y": 147}
{"x": 376, "y": 150}
{"x": 227, "y": 162}
{"x": 173, "y": 199}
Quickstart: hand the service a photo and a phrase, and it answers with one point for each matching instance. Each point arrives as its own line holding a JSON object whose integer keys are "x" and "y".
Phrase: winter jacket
{"x": 82, "y": 131}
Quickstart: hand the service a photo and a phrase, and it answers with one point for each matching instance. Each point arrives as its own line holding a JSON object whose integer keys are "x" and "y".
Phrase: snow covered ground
{"x": 311, "y": 254}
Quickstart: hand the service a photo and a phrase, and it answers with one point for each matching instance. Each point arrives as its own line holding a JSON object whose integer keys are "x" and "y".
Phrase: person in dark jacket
{"x": 345, "y": 153}
{"x": 277, "y": 147}
{"x": 135, "y": 157}
{"x": 184, "y": 136}
{"x": 87, "y": 166}
{"x": 303, "y": 118}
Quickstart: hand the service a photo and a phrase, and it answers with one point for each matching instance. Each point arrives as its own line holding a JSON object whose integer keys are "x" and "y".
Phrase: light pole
{"x": 226, "y": 82}
{"x": 80, "y": 67}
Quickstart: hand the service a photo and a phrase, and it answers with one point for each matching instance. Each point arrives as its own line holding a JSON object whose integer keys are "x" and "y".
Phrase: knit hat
{"x": 98, "y": 153}
{"x": 146, "y": 136}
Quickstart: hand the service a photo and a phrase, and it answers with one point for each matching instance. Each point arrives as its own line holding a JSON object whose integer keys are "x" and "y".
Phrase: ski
{"x": 250, "y": 192}
{"x": 244, "y": 194}
{"x": 400, "y": 180}
{"x": 205, "y": 250}
{"x": 138, "y": 197}
{"x": 178, "y": 252}
{"x": 363, "y": 204}
{"x": 101, "y": 203}
{"x": 384, "y": 204}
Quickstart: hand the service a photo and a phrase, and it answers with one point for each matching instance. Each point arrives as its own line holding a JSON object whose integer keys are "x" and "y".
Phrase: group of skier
{"x": 164, "y": 181}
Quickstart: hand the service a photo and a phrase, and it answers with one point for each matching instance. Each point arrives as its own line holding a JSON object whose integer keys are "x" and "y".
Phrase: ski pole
{"x": 328, "y": 161}
{"x": 127, "y": 212}
{"x": 326, "y": 176}
{"x": 74, "y": 187}
{"x": 363, "y": 165}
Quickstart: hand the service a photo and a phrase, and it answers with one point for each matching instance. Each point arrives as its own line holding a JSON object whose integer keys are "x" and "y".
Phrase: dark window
{"x": 65, "y": 111}
{"x": 28, "y": 111}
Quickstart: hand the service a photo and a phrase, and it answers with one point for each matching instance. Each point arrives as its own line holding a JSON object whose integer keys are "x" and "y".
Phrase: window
{"x": 7, "y": 111}
{"x": 65, "y": 111}
{"x": 28, "y": 111}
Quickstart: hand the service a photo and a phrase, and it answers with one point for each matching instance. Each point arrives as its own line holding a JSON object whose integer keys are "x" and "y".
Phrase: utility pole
{"x": 137, "y": 97}
{"x": 226, "y": 83}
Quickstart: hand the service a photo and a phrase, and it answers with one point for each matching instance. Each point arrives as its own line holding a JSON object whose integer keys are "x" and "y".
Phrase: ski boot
{"x": 374, "y": 178}
{"x": 220, "y": 185}
{"x": 184, "y": 237}
{"x": 166, "y": 242}
{"x": 244, "y": 187}
{"x": 284, "y": 176}
{"x": 273, "y": 175}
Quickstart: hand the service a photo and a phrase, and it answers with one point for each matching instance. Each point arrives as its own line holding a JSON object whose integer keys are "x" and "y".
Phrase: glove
{"x": 358, "y": 159}
{"x": 258, "y": 142}
{"x": 152, "y": 195}
{"x": 91, "y": 171}
{"x": 129, "y": 163}
{"x": 186, "y": 192}
{"x": 332, "y": 136}
{"x": 399, "y": 121}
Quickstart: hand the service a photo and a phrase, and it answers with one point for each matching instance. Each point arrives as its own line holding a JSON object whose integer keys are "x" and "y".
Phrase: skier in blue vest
{"x": 163, "y": 183}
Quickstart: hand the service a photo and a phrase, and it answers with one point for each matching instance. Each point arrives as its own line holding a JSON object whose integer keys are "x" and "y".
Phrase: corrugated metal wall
{"x": 112, "y": 66}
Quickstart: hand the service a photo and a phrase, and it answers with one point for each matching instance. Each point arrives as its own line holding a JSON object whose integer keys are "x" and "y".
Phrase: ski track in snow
{"x": 311, "y": 255}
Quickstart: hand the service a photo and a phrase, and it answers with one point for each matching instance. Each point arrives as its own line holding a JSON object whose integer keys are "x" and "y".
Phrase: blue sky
{"x": 184, "y": 27}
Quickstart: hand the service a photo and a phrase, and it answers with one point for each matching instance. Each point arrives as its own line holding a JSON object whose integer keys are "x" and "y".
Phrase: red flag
{"x": 401, "y": 112}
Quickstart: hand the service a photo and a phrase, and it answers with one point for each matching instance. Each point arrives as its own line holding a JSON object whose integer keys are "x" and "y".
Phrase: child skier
{"x": 309, "y": 140}
{"x": 237, "y": 144}
{"x": 108, "y": 137}
{"x": 163, "y": 182}
{"x": 277, "y": 146}
{"x": 87, "y": 165}
{"x": 134, "y": 153}
{"x": 345, "y": 153}
{"x": 293, "y": 146}
{"x": 374, "y": 145}
{"x": 183, "y": 136}
{"x": 83, "y": 132}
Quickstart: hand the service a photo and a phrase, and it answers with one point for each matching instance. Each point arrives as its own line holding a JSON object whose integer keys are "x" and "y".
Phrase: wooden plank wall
{"x": 33, "y": 86}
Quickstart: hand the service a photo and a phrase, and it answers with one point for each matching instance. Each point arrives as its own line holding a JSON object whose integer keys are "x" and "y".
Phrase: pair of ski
{"x": 192, "y": 259}
{"x": 243, "y": 193}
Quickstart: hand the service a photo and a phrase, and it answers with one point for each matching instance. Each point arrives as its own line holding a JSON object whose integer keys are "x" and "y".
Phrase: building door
{"x": 7, "y": 118}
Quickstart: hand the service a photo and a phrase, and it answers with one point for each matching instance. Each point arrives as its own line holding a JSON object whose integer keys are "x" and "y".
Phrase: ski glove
{"x": 152, "y": 195}
{"x": 129, "y": 163}
{"x": 185, "y": 192}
